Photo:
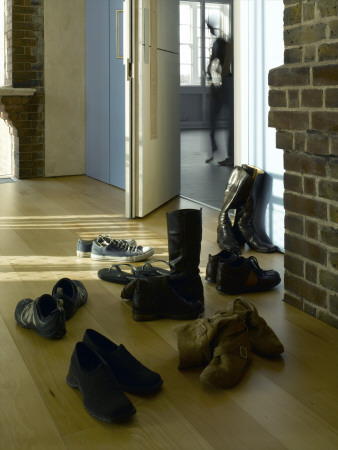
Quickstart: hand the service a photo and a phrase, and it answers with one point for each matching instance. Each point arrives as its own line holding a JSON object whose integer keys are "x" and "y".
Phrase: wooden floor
{"x": 288, "y": 403}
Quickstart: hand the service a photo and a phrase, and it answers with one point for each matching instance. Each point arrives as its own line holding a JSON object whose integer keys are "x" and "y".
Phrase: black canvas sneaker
{"x": 84, "y": 248}
{"x": 119, "y": 250}
{"x": 45, "y": 315}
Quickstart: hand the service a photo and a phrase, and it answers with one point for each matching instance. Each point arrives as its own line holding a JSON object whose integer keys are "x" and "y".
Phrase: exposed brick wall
{"x": 303, "y": 100}
{"x": 24, "y": 69}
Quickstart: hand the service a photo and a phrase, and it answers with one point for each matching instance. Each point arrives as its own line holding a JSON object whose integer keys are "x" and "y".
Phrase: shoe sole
{"x": 122, "y": 258}
{"x": 144, "y": 317}
{"x": 48, "y": 335}
{"x": 80, "y": 254}
{"x": 72, "y": 382}
{"x": 55, "y": 335}
{"x": 244, "y": 290}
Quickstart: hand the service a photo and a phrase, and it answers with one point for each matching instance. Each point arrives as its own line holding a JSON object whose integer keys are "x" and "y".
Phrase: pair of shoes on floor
{"x": 102, "y": 370}
{"x": 234, "y": 274}
{"x": 47, "y": 314}
{"x": 115, "y": 274}
{"x": 223, "y": 343}
{"x": 108, "y": 249}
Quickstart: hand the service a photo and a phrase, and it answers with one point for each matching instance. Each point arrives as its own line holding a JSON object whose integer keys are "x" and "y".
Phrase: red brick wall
{"x": 24, "y": 69}
{"x": 303, "y": 101}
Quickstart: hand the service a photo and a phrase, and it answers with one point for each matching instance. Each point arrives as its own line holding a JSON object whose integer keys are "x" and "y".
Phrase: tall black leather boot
{"x": 243, "y": 228}
{"x": 184, "y": 228}
{"x": 235, "y": 195}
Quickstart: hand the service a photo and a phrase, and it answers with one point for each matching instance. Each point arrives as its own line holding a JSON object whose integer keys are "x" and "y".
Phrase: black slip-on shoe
{"x": 102, "y": 395}
{"x": 45, "y": 315}
{"x": 132, "y": 375}
{"x": 73, "y": 294}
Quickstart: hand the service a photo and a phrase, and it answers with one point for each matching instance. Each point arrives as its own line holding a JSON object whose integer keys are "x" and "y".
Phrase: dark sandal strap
{"x": 149, "y": 269}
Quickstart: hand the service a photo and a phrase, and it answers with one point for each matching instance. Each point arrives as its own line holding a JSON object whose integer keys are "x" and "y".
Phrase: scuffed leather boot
{"x": 184, "y": 228}
{"x": 231, "y": 355}
{"x": 236, "y": 193}
{"x": 154, "y": 297}
{"x": 195, "y": 339}
{"x": 244, "y": 275}
{"x": 262, "y": 338}
{"x": 213, "y": 261}
{"x": 243, "y": 227}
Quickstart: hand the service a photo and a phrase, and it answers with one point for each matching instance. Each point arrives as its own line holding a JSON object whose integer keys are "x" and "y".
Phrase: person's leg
{"x": 227, "y": 96}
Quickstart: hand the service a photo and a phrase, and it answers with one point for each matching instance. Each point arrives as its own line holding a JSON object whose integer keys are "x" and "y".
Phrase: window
{"x": 196, "y": 39}
{"x": 2, "y": 43}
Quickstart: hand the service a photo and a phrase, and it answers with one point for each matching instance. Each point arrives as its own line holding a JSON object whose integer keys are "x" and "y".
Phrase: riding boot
{"x": 184, "y": 247}
{"x": 243, "y": 228}
{"x": 235, "y": 195}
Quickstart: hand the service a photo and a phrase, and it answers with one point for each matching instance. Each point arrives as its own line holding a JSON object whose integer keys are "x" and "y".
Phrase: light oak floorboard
{"x": 284, "y": 403}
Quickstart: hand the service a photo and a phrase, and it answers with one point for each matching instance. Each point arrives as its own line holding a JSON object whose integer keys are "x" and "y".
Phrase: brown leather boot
{"x": 262, "y": 338}
{"x": 195, "y": 339}
{"x": 231, "y": 355}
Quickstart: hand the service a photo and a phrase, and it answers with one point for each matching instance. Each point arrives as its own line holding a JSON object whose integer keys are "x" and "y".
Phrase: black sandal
{"x": 115, "y": 275}
{"x": 148, "y": 270}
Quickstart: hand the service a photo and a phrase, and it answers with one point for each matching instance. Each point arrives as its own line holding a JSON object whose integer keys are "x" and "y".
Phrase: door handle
{"x": 118, "y": 13}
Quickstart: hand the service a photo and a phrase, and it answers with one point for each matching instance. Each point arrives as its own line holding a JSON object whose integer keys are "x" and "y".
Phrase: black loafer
{"x": 131, "y": 375}
{"x": 101, "y": 393}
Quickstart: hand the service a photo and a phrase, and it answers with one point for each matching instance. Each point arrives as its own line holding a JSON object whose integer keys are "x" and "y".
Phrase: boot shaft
{"x": 184, "y": 228}
{"x": 245, "y": 214}
{"x": 236, "y": 192}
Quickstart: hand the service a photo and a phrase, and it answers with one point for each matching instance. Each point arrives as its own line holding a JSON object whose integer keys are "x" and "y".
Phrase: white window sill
{"x": 8, "y": 91}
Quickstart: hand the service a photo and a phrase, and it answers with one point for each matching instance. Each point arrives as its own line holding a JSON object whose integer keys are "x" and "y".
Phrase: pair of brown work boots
{"x": 223, "y": 343}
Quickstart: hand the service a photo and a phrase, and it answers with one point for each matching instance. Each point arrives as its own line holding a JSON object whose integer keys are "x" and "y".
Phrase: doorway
{"x": 201, "y": 23}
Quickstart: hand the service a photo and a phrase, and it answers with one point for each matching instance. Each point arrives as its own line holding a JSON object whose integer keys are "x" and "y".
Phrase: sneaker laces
{"x": 123, "y": 245}
{"x": 104, "y": 239}
{"x": 255, "y": 265}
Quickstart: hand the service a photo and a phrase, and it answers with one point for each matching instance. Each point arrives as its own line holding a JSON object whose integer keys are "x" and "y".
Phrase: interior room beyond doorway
{"x": 200, "y": 181}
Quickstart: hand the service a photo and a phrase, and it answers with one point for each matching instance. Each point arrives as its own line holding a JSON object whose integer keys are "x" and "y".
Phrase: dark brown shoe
{"x": 213, "y": 261}
{"x": 244, "y": 275}
{"x": 154, "y": 298}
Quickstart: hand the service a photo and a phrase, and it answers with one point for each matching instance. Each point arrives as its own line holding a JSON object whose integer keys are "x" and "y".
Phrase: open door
{"x": 151, "y": 55}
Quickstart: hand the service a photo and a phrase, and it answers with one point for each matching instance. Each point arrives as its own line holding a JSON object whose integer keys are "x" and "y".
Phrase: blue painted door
{"x": 105, "y": 97}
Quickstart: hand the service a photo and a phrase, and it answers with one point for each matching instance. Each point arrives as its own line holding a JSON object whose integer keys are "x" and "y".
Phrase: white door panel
{"x": 159, "y": 169}
{"x": 152, "y": 114}
{"x": 168, "y": 20}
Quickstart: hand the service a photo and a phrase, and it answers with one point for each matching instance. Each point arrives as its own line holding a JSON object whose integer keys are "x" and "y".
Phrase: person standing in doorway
{"x": 219, "y": 72}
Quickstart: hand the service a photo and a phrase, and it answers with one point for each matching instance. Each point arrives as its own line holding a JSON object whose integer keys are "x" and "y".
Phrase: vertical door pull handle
{"x": 118, "y": 13}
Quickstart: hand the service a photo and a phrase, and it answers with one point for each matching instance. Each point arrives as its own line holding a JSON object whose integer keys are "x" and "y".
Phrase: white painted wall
{"x": 259, "y": 47}
{"x": 64, "y": 32}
